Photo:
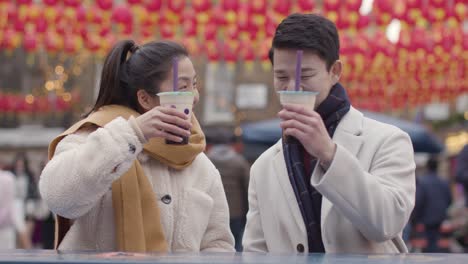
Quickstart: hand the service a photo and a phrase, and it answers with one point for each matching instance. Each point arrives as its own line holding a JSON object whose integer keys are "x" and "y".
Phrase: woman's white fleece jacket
{"x": 76, "y": 184}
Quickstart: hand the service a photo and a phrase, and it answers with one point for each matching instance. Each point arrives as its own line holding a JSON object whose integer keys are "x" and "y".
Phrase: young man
{"x": 350, "y": 185}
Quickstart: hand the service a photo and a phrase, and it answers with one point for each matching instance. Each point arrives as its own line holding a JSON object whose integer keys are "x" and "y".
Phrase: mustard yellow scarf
{"x": 136, "y": 211}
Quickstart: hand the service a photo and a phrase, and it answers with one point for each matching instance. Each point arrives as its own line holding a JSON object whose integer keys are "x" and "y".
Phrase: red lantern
{"x": 353, "y": 5}
{"x": 122, "y": 14}
{"x": 201, "y": 5}
{"x": 147, "y": 31}
{"x": 107, "y": 43}
{"x": 93, "y": 42}
{"x": 12, "y": 12}
{"x": 19, "y": 25}
{"x": 414, "y": 3}
{"x": 11, "y": 39}
{"x": 363, "y": 22}
{"x": 400, "y": 10}
{"x": 105, "y": 30}
{"x": 62, "y": 105}
{"x": 465, "y": 42}
{"x": 81, "y": 30}
{"x": 282, "y": 7}
{"x": 218, "y": 16}
{"x": 41, "y": 25}
{"x": 210, "y": 32}
{"x": 81, "y": 14}
{"x": 34, "y": 12}
{"x": 448, "y": 40}
{"x": 419, "y": 39}
{"x": 243, "y": 16}
{"x": 167, "y": 31}
{"x": 72, "y": 44}
{"x": 176, "y": 6}
{"x": 105, "y": 4}
{"x": 306, "y": 5}
{"x": 30, "y": 42}
{"x": 42, "y": 104}
{"x": 153, "y": 5}
{"x": 50, "y": 2}
{"x": 134, "y": 2}
{"x": 231, "y": 5}
{"x": 53, "y": 42}
{"x": 232, "y": 32}
{"x": 230, "y": 51}
{"x": 3, "y": 103}
{"x": 331, "y": 5}
{"x": 257, "y": 7}
{"x": 191, "y": 45}
{"x": 438, "y": 3}
{"x": 72, "y": 3}
{"x": 461, "y": 10}
{"x": 190, "y": 28}
{"x": 24, "y": 2}
{"x": 343, "y": 20}
{"x": 212, "y": 50}
{"x": 246, "y": 51}
{"x": 53, "y": 14}
{"x": 384, "y": 6}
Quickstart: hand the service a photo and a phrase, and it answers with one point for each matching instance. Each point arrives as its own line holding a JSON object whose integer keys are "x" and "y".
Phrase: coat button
{"x": 131, "y": 148}
{"x": 166, "y": 199}
{"x": 300, "y": 248}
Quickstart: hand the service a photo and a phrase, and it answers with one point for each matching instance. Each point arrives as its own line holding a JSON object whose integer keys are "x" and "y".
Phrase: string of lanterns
{"x": 427, "y": 62}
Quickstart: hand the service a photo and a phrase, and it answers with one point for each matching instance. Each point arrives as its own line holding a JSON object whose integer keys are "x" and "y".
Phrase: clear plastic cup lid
{"x": 177, "y": 93}
{"x": 299, "y": 92}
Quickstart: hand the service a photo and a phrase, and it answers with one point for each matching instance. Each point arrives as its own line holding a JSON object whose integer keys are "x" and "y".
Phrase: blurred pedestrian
{"x": 234, "y": 170}
{"x": 27, "y": 195}
{"x": 7, "y": 211}
{"x": 462, "y": 171}
{"x": 433, "y": 198}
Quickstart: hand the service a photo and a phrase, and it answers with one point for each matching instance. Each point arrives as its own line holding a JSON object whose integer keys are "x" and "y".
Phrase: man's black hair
{"x": 308, "y": 32}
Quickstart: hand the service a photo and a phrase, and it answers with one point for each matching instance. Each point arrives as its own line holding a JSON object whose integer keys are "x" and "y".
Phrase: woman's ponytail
{"x": 111, "y": 90}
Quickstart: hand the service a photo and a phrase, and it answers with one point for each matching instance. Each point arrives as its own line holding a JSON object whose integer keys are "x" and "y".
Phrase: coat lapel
{"x": 347, "y": 135}
{"x": 288, "y": 192}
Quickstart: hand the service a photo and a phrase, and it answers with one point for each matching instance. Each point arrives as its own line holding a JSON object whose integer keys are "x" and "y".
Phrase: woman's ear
{"x": 336, "y": 71}
{"x": 146, "y": 101}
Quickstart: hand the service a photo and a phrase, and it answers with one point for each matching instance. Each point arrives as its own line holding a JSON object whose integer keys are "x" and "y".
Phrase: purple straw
{"x": 175, "y": 73}
{"x": 298, "y": 69}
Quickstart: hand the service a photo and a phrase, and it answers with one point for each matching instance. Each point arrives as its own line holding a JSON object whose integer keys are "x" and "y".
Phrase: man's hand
{"x": 307, "y": 126}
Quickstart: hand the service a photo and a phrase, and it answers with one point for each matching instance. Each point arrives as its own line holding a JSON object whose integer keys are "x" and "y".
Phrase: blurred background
{"x": 405, "y": 63}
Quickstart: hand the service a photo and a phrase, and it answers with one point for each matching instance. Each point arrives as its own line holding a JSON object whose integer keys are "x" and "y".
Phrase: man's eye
{"x": 282, "y": 78}
{"x": 306, "y": 77}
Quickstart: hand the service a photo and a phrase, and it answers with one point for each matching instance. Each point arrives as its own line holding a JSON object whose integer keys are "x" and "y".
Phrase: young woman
{"x": 113, "y": 182}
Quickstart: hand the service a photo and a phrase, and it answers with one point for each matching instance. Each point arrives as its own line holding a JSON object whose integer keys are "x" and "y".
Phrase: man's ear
{"x": 336, "y": 71}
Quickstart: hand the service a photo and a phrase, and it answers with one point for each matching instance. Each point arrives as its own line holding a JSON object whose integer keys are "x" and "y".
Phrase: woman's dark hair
{"x": 146, "y": 67}
{"x": 308, "y": 32}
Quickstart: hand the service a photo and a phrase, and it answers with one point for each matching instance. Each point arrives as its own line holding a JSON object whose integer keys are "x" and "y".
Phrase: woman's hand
{"x": 165, "y": 123}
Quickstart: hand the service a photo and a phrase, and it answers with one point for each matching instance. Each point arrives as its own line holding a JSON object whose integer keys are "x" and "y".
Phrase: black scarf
{"x": 332, "y": 109}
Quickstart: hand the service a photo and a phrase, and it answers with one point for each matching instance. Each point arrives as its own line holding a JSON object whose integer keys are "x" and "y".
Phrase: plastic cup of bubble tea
{"x": 183, "y": 103}
{"x": 303, "y": 98}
